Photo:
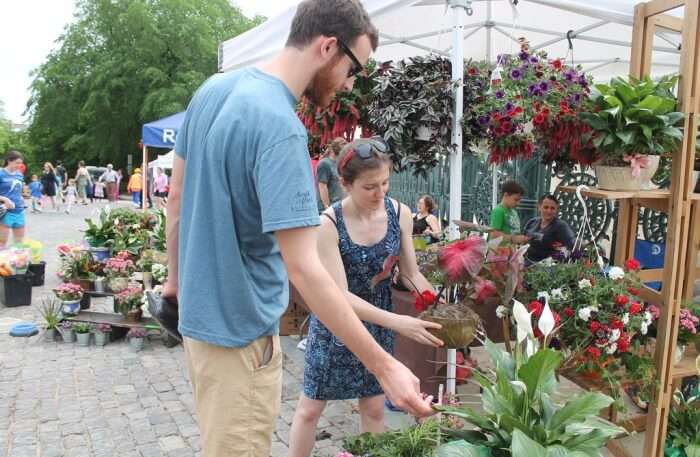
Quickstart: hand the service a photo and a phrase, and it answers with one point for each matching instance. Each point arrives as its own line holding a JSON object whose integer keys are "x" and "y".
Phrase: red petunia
{"x": 621, "y": 300}
{"x": 535, "y": 307}
{"x": 633, "y": 265}
{"x": 556, "y": 64}
{"x": 635, "y": 308}
{"x": 473, "y": 71}
{"x": 594, "y": 352}
{"x": 594, "y": 326}
{"x": 569, "y": 312}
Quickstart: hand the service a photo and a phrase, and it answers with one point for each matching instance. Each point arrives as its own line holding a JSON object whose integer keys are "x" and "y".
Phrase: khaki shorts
{"x": 237, "y": 393}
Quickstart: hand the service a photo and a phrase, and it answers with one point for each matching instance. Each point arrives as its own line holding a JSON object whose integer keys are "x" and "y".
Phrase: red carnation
{"x": 621, "y": 300}
{"x": 569, "y": 312}
{"x": 635, "y": 308}
{"x": 424, "y": 300}
{"x": 536, "y": 308}
{"x": 595, "y": 326}
{"x": 633, "y": 265}
{"x": 593, "y": 352}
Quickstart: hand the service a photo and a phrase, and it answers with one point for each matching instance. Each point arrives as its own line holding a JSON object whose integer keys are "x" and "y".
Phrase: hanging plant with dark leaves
{"x": 412, "y": 109}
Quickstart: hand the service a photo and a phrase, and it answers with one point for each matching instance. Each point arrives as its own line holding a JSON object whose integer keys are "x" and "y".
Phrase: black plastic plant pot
{"x": 16, "y": 290}
{"x": 39, "y": 271}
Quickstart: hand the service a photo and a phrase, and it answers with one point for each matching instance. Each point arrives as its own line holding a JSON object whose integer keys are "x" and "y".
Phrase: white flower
{"x": 611, "y": 349}
{"x": 544, "y": 295}
{"x": 546, "y": 323}
{"x": 626, "y": 318}
{"x": 557, "y": 294}
{"x": 647, "y": 317}
{"x": 548, "y": 262}
{"x": 584, "y": 313}
{"x": 501, "y": 312}
{"x": 616, "y": 273}
{"x": 644, "y": 328}
{"x": 522, "y": 321}
{"x": 614, "y": 335}
{"x": 584, "y": 284}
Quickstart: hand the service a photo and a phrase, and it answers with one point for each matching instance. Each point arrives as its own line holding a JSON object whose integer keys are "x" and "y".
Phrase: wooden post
{"x": 676, "y": 283}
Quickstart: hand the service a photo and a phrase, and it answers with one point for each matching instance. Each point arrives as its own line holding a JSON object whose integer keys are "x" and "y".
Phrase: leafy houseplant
{"x": 82, "y": 333}
{"x": 417, "y": 95}
{"x": 520, "y": 418}
{"x": 684, "y": 426}
{"x": 633, "y": 121}
{"x": 418, "y": 441}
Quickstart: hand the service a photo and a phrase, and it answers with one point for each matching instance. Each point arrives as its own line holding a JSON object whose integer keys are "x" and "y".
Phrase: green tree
{"x": 120, "y": 64}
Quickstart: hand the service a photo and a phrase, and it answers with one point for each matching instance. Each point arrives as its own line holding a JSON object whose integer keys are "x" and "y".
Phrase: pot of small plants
{"x": 66, "y": 331}
{"x": 70, "y": 296}
{"x": 51, "y": 312}
{"x": 102, "y": 333}
{"x": 137, "y": 337}
{"x": 82, "y": 333}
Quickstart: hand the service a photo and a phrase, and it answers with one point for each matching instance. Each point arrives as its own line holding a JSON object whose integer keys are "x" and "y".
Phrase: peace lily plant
{"x": 520, "y": 416}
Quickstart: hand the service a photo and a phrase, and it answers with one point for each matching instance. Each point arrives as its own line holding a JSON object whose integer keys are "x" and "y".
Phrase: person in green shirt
{"x": 505, "y": 221}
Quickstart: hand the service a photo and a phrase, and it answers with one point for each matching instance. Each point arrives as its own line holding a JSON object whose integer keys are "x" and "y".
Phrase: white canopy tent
{"x": 163, "y": 161}
{"x": 600, "y": 31}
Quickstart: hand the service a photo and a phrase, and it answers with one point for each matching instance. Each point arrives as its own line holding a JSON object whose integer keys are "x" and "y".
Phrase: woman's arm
{"x": 433, "y": 226}
{"x": 405, "y": 325}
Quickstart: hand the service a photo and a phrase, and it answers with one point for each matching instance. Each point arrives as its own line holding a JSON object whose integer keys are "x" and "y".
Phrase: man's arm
{"x": 330, "y": 304}
{"x": 323, "y": 192}
{"x": 173, "y": 226}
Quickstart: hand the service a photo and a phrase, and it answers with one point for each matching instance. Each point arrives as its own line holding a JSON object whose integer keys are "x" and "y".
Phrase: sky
{"x": 26, "y": 38}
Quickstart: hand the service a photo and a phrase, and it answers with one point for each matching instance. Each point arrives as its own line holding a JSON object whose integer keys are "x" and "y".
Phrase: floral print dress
{"x": 331, "y": 371}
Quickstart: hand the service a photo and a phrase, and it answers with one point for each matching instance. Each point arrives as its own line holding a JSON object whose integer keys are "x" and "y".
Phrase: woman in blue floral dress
{"x": 361, "y": 241}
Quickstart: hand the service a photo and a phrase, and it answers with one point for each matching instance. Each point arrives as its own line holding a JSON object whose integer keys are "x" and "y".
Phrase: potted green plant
{"x": 160, "y": 273}
{"x": 633, "y": 122}
{"x": 70, "y": 295}
{"x": 66, "y": 331}
{"x": 128, "y": 302}
{"x": 51, "y": 312}
{"x": 82, "y": 333}
{"x": 137, "y": 336}
{"x": 100, "y": 234}
{"x": 102, "y": 332}
{"x": 520, "y": 418}
{"x": 683, "y": 438}
{"x": 118, "y": 269}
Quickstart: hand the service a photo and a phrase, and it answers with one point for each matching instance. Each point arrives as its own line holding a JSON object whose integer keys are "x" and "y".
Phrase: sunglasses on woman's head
{"x": 364, "y": 150}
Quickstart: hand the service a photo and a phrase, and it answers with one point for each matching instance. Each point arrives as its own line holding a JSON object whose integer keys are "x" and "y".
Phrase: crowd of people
{"x": 56, "y": 190}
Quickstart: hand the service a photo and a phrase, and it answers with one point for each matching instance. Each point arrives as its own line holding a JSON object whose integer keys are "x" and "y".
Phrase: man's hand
{"x": 402, "y": 388}
{"x": 170, "y": 290}
{"x": 417, "y": 330}
{"x": 9, "y": 204}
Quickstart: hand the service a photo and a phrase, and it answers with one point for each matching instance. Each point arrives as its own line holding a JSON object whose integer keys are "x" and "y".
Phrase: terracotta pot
{"x": 134, "y": 315}
{"x": 620, "y": 178}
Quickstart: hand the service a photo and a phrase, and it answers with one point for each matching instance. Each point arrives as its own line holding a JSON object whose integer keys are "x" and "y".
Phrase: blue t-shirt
{"x": 247, "y": 174}
{"x": 11, "y": 187}
{"x": 35, "y": 189}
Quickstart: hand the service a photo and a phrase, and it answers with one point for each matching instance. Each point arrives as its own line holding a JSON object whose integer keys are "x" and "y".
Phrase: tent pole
{"x": 489, "y": 32}
{"x": 144, "y": 179}
{"x": 457, "y": 57}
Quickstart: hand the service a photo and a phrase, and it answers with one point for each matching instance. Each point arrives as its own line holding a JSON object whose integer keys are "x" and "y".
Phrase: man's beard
{"x": 322, "y": 89}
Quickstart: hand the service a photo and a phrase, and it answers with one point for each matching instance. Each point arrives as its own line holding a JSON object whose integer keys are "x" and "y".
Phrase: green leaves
{"x": 462, "y": 449}
{"x": 536, "y": 370}
{"x": 522, "y": 445}
{"x": 579, "y": 408}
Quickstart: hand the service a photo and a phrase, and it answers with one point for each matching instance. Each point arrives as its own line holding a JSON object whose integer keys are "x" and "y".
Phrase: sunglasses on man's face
{"x": 357, "y": 67}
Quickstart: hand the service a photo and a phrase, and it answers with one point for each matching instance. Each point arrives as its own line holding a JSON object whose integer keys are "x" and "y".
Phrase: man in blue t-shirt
{"x": 242, "y": 220}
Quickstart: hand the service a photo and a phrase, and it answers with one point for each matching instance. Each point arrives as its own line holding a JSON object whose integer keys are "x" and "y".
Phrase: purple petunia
{"x": 570, "y": 75}
{"x": 509, "y": 106}
{"x": 583, "y": 81}
{"x": 534, "y": 59}
{"x": 483, "y": 120}
{"x": 524, "y": 55}
{"x": 544, "y": 86}
{"x": 500, "y": 94}
{"x": 516, "y": 74}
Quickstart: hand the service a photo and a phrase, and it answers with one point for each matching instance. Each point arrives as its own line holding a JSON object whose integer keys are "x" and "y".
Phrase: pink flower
{"x": 63, "y": 249}
{"x": 655, "y": 311}
{"x": 463, "y": 257}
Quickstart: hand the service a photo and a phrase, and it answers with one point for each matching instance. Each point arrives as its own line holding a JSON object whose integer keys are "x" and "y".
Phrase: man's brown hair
{"x": 345, "y": 20}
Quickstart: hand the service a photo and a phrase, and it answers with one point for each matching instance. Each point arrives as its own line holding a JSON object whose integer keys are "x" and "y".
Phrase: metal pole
{"x": 458, "y": 10}
{"x": 144, "y": 179}
{"x": 489, "y": 32}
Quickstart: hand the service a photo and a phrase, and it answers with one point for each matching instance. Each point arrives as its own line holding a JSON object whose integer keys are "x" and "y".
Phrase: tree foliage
{"x": 120, "y": 64}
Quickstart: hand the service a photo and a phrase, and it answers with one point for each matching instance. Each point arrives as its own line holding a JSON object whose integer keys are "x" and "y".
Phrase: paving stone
{"x": 171, "y": 443}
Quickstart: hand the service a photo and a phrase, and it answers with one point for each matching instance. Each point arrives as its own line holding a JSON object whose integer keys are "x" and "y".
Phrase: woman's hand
{"x": 9, "y": 204}
{"x": 417, "y": 330}
{"x": 520, "y": 239}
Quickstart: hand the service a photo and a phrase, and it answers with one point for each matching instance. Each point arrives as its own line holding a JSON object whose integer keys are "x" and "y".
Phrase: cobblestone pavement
{"x": 59, "y": 399}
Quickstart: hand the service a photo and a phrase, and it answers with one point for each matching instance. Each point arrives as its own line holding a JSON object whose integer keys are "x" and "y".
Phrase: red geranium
{"x": 617, "y": 324}
{"x": 632, "y": 265}
{"x": 623, "y": 344}
{"x": 569, "y": 312}
{"x": 621, "y": 300}
{"x": 595, "y": 326}
{"x": 635, "y": 308}
{"x": 593, "y": 352}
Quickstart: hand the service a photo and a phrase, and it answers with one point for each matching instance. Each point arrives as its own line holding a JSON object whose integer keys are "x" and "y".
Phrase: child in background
{"x": 505, "y": 221}
{"x": 35, "y": 194}
{"x": 70, "y": 195}
{"x": 99, "y": 190}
